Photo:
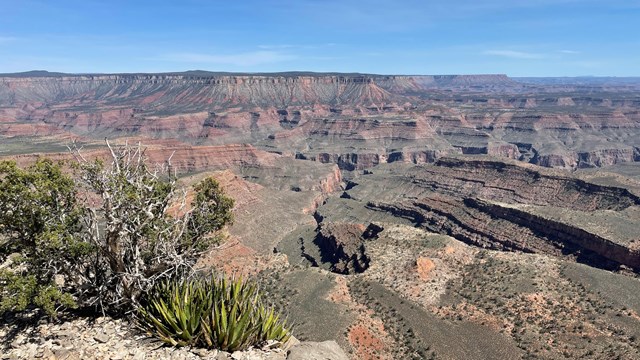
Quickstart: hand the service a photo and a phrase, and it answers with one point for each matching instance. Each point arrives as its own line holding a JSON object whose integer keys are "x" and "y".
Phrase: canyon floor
{"x": 446, "y": 217}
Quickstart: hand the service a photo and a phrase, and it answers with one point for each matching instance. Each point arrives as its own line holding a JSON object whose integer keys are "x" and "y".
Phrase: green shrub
{"x": 102, "y": 237}
{"x": 39, "y": 216}
{"x": 210, "y": 312}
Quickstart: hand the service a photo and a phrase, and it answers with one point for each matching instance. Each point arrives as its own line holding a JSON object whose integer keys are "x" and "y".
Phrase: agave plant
{"x": 214, "y": 312}
{"x": 173, "y": 311}
{"x": 239, "y": 319}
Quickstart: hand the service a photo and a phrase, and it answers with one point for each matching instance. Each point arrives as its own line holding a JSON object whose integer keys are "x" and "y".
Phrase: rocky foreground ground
{"x": 106, "y": 338}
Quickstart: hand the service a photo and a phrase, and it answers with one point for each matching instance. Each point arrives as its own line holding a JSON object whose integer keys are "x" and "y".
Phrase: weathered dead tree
{"x": 143, "y": 228}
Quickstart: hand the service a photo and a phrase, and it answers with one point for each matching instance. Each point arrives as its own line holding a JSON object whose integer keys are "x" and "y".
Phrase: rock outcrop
{"x": 342, "y": 245}
{"x": 317, "y": 351}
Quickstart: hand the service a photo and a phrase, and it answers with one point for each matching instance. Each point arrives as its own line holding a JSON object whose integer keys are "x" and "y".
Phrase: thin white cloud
{"x": 252, "y": 58}
{"x": 513, "y": 54}
{"x": 279, "y": 46}
{"x": 570, "y": 52}
{"x": 289, "y": 46}
{"x": 588, "y": 64}
{"x": 7, "y": 39}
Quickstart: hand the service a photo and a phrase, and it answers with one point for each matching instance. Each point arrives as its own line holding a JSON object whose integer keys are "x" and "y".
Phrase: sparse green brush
{"x": 211, "y": 312}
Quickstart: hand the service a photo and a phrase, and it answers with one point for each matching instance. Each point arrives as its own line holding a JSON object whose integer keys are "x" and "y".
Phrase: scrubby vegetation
{"x": 105, "y": 241}
{"x": 123, "y": 237}
{"x": 40, "y": 219}
{"x": 547, "y": 307}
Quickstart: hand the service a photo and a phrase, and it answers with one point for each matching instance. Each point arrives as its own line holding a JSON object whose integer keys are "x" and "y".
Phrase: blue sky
{"x": 516, "y": 37}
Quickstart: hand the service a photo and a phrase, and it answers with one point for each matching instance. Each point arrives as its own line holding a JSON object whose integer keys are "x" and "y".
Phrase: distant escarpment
{"x": 354, "y": 120}
{"x": 199, "y": 91}
{"x": 192, "y": 93}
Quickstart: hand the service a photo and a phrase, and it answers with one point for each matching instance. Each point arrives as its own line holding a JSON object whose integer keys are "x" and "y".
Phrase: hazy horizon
{"x": 535, "y": 38}
{"x": 42, "y": 72}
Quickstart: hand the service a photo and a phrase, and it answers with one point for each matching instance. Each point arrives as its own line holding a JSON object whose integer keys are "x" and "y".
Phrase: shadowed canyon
{"x": 445, "y": 216}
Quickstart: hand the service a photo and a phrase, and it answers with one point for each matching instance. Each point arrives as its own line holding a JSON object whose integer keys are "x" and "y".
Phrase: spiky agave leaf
{"x": 228, "y": 314}
{"x": 172, "y": 312}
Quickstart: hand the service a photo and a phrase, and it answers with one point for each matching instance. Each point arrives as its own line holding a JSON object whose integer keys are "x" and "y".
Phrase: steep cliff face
{"x": 348, "y": 161}
{"x": 569, "y": 237}
{"x": 605, "y": 157}
{"x": 508, "y": 207}
{"x": 366, "y": 160}
{"x": 192, "y": 92}
{"x": 517, "y": 184}
{"x": 587, "y": 159}
{"x": 489, "y": 225}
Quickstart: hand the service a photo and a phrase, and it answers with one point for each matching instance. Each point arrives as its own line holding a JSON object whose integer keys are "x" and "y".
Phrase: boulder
{"x": 326, "y": 350}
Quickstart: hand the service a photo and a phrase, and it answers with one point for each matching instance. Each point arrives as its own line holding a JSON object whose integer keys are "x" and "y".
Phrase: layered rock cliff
{"x": 185, "y": 92}
{"x": 490, "y": 225}
{"x": 353, "y": 120}
{"x": 507, "y": 206}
